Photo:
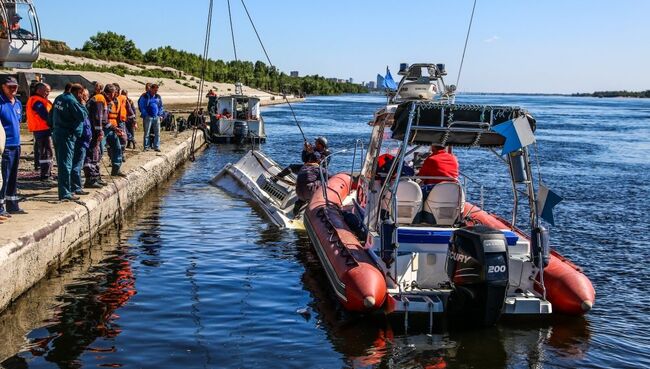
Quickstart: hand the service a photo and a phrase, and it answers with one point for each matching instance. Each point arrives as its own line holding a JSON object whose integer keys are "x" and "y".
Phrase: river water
{"x": 195, "y": 278}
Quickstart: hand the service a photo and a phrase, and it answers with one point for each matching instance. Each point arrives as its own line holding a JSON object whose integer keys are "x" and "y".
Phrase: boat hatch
{"x": 273, "y": 189}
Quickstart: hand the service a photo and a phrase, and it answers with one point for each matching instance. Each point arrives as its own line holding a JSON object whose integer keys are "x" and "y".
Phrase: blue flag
{"x": 546, "y": 200}
{"x": 517, "y": 133}
{"x": 389, "y": 83}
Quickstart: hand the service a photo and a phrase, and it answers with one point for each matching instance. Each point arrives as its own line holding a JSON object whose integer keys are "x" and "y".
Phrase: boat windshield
{"x": 20, "y": 22}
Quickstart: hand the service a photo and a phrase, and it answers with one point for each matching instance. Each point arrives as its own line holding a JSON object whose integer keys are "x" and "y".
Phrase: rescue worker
{"x": 68, "y": 116}
{"x": 97, "y": 114}
{"x": 131, "y": 122}
{"x": 10, "y": 115}
{"x": 112, "y": 130}
{"x": 307, "y": 181}
{"x": 81, "y": 145}
{"x": 122, "y": 117}
{"x": 2, "y": 148}
{"x": 319, "y": 146}
{"x": 441, "y": 164}
{"x": 38, "y": 109}
{"x": 151, "y": 111}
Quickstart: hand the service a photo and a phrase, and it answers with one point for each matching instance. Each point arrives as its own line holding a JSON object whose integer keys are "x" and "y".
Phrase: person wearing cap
{"x": 319, "y": 146}
{"x": 2, "y": 148}
{"x": 440, "y": 164}
{"x": 38, "y": 109}
{"x": 151, "y": 111}
{"x": 307, "y": 180}
{"x": 10, "y": 115}
{"x": 68, "y": 117}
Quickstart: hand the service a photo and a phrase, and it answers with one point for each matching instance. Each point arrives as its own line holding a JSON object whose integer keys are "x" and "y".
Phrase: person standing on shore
{"x": 122, "y": 117}
{"x": 97, "y": 114}
{"x": 81, "y": 145}
{"x": 131, "y": 122}
{"x": 38, "y": 109}
{"x": 10, "y": 115}
{"x": 2, "y": 148}
{"x": 151, "y": 109}
{"x": 112, "y": 130}
{"x": 67, "y": 119}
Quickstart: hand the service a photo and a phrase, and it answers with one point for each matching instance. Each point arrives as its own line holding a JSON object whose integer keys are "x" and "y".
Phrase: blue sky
{"x": 515, "y": 46}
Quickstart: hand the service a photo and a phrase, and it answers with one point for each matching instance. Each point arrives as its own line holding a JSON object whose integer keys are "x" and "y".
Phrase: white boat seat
{"x": 445, "y": 202}
{"x": 409, "y": 201}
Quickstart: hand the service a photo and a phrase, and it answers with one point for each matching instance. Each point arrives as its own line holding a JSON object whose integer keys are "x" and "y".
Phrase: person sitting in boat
{"x": 442, "y": 165}
{"x": 319, "y": 146}
{"x": 385, "y": 162}
{"x": 225, "y": 114}
{"x": 307, "y": 181}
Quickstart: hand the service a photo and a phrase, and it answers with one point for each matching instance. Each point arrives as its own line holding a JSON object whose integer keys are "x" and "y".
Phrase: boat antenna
{"x": 465, "y": 48}
{"x": 206, "y": 48}
{"x": 232, "y": 32}
{"x": 284, "y": 95}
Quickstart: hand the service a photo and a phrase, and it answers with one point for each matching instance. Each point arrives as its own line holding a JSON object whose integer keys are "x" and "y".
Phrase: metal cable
{"x": 199, "y": 100}
{"x": 465, "y": 48}
{"x": 284, "y": 95}
{"x": 232, "y": 32}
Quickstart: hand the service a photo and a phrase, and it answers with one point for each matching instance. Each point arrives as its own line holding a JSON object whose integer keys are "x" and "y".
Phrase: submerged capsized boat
{"x": 254, "y": 173}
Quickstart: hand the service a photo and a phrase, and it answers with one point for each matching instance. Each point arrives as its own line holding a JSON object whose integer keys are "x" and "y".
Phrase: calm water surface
{"x": 195, "y": 278}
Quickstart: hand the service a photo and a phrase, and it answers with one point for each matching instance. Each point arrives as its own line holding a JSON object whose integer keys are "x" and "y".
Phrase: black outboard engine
{"x": 240, "y": 132}
{"x": 477, "y": 266}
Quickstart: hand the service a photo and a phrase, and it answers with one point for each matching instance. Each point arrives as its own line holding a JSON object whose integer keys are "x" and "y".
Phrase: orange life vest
{"x": 123, "y": 112}
{"x": 113, "y": 112}
{"x": 34, "y": 121}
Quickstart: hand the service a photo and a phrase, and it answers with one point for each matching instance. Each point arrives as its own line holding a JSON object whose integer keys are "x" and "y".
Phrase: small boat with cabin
{"x": 238, "y": 119}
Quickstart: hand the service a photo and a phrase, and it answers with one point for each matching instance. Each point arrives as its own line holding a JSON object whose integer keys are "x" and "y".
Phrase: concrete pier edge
{"x": 28, "y": 258}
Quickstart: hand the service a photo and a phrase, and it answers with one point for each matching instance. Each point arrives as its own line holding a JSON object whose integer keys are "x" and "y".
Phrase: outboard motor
{"x": 240, "y": 132}
{"x": 477, "y": 266}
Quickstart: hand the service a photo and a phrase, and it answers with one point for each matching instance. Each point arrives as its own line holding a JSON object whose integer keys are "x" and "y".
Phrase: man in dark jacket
{"x": 307, "y": 181}
{"x": 67, "y": 120}
{"x": 319, "y": 146}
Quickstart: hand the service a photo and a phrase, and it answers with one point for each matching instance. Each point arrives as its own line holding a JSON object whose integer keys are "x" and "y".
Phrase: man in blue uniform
{"x": 151, "y": 110}
{"x": 67, "y": 120}
{"x": 10, "y": 114}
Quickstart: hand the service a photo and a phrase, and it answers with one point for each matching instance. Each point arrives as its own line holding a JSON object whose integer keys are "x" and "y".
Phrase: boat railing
{"x": 358, "y": 147}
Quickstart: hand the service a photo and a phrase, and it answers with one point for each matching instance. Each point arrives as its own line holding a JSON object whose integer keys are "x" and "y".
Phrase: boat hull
{"x": 567, "y": 288}
{"x": 358, "y": 283}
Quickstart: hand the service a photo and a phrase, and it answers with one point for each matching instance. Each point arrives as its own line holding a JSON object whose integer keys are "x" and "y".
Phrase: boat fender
{"x": 541, "y": 244}
{"x": 518, "y": 166}
{"x": 387, "y": 246}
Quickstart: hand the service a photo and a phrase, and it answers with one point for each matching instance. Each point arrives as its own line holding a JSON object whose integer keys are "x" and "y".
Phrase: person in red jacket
{"x": 440, "y": 163}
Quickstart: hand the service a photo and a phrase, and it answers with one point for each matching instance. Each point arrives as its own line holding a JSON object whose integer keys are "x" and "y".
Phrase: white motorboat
{"x": 255, "y": 174}
{"x": 238, "y": 119}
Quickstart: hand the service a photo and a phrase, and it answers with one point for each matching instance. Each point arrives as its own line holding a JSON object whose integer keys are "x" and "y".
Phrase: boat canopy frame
{"x": 453, "y": 124}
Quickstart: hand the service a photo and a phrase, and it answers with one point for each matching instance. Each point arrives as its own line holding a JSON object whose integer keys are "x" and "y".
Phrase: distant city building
{"x": 341, "y": 80}
{"x": 294, "y": 73}
{"x": 380, "y": 80}
{"x": 350, "y": 80}
{"x": 371, "y": 85}
{"x": 332, "y": 80}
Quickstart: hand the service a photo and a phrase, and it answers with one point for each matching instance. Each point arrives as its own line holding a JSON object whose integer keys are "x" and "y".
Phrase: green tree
{"x": 111, "y": 45}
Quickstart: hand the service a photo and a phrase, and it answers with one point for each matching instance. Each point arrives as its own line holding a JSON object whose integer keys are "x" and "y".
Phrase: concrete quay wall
{"x": 32, "y": 244}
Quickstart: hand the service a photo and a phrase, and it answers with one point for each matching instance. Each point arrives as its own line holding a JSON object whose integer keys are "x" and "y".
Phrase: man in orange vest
{"x": 123, "y": 116}
{"x": 38, "y": 109}
{"x": 112, "y": 130}
{"x": 97, "y": 115}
